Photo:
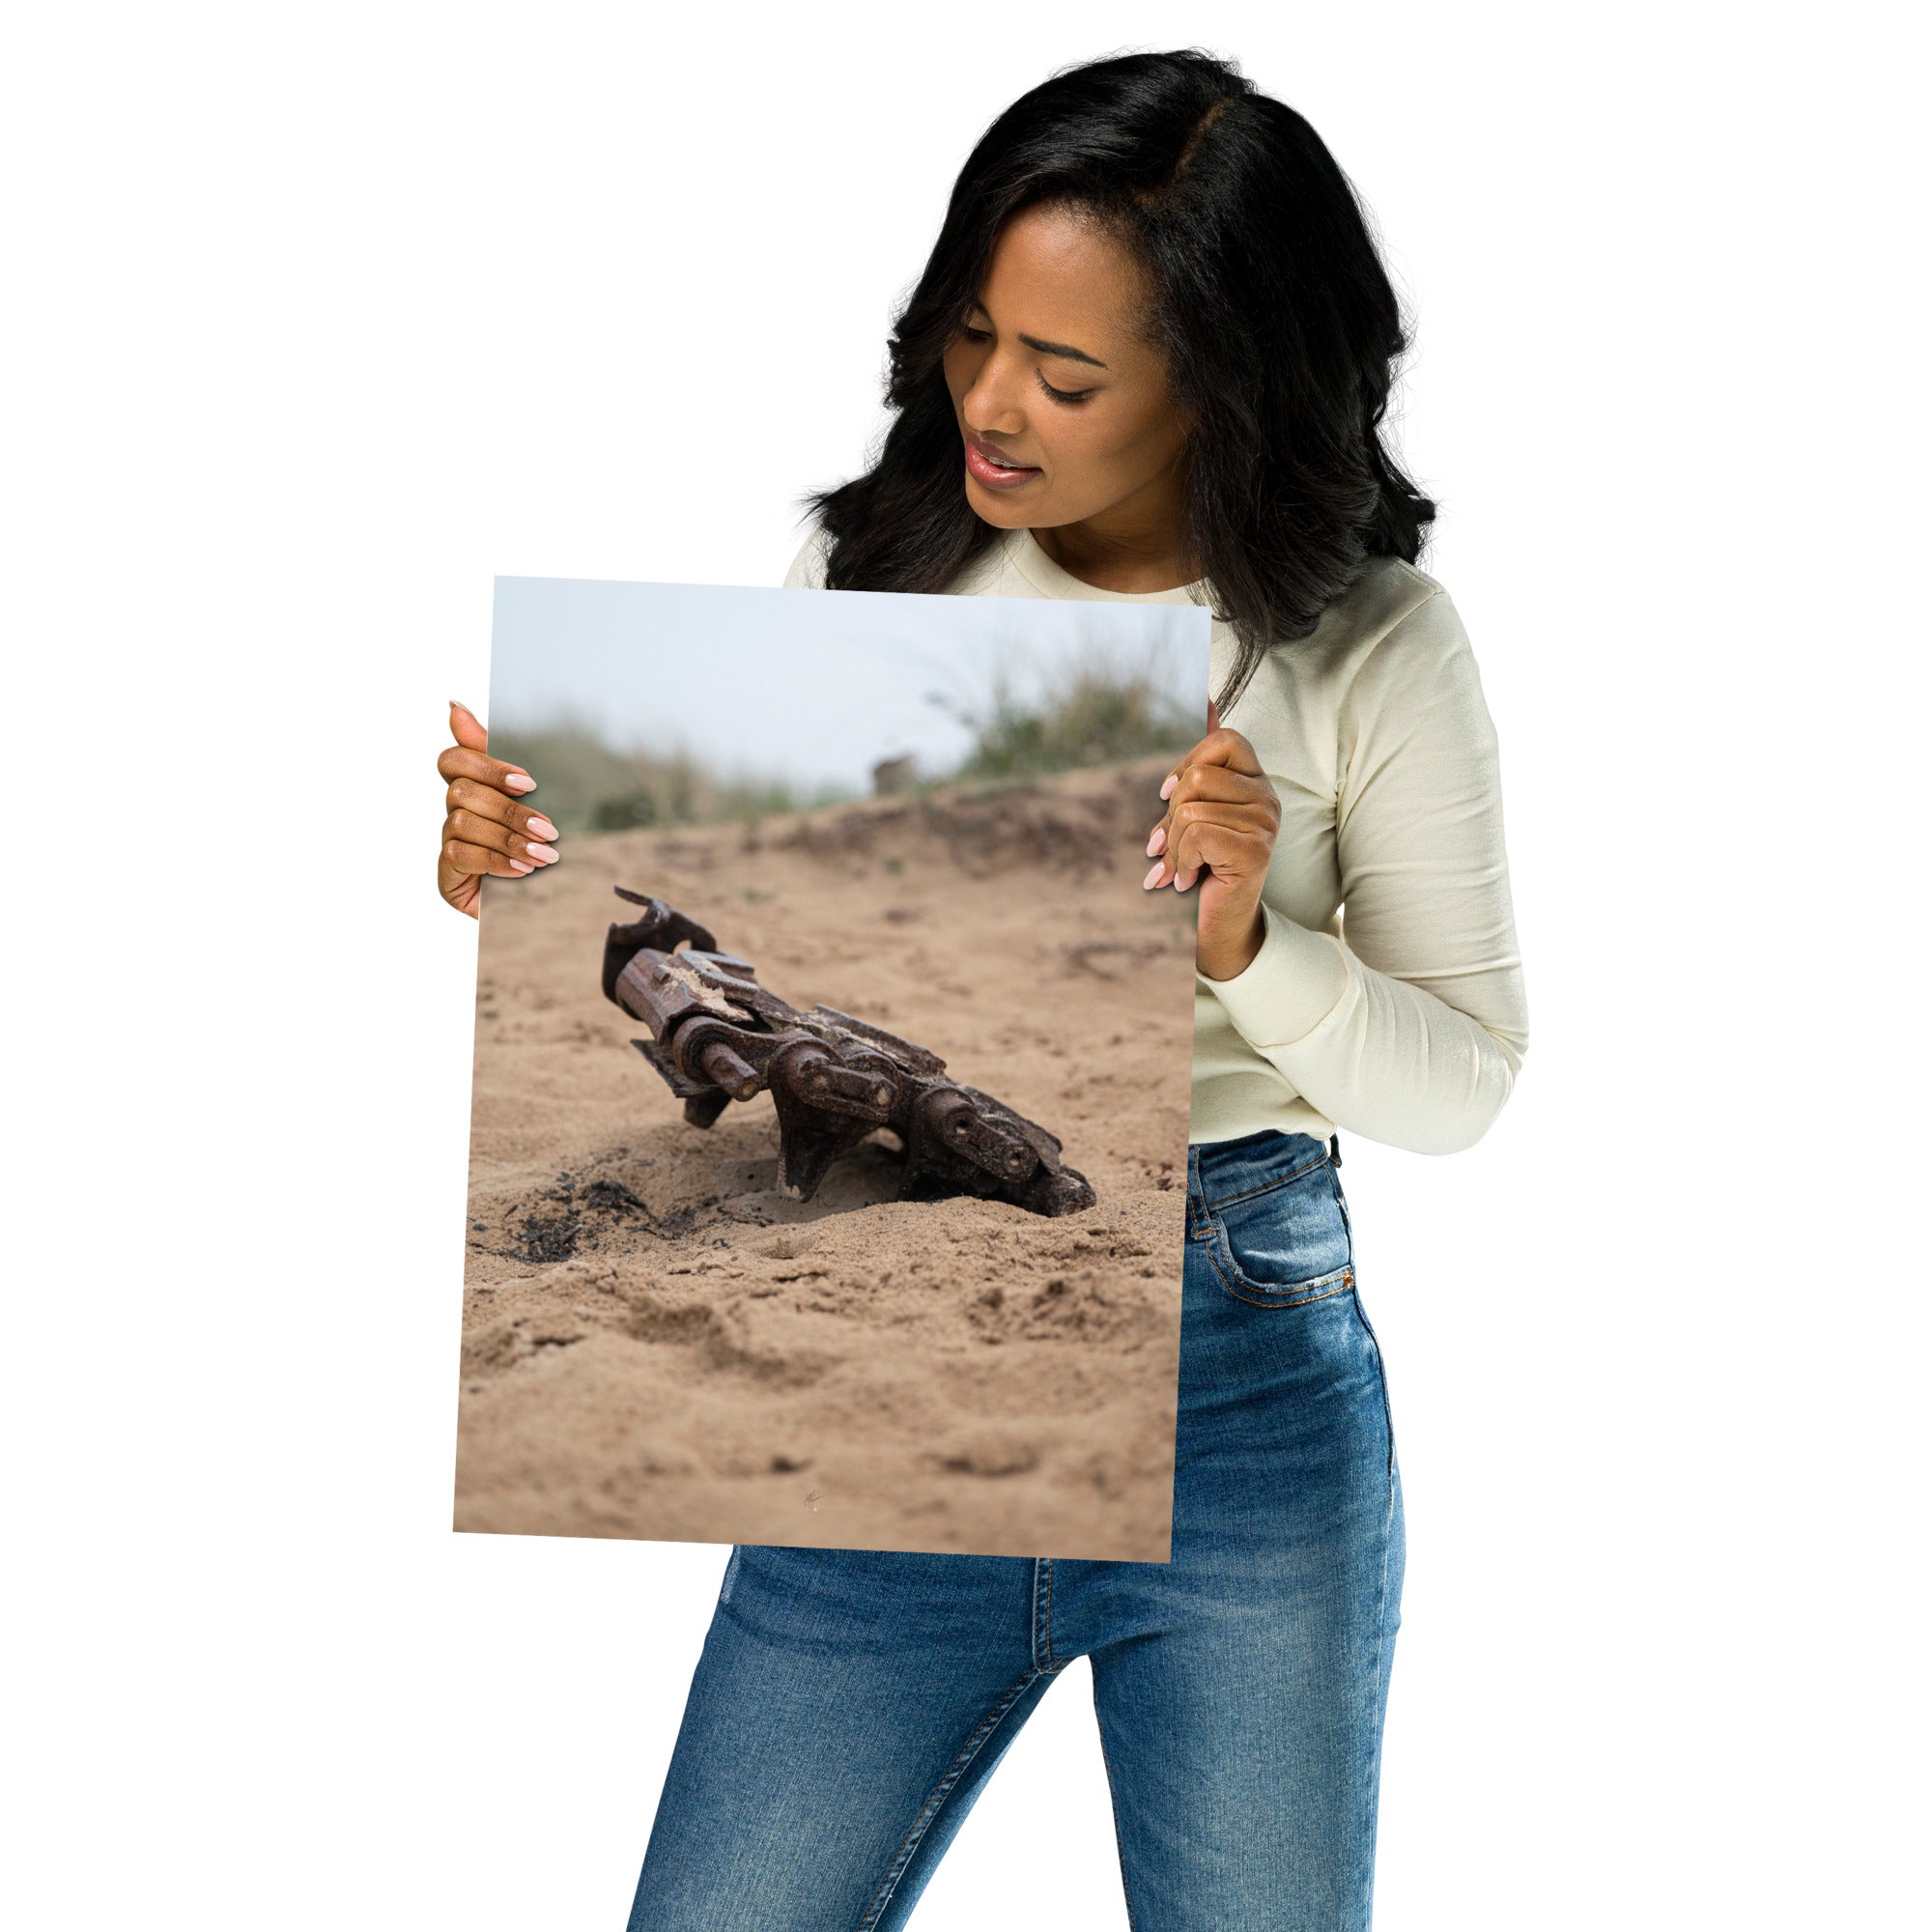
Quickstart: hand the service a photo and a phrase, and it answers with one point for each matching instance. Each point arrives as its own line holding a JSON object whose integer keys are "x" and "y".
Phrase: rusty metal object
{"x": 716, "y": 1035}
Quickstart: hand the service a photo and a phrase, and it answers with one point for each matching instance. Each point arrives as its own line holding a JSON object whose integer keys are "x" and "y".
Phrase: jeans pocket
{"x": 1285, "y": 1243}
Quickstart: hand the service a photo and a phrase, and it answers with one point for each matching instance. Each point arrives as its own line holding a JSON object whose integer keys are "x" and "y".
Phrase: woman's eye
{"x": 969, "y": 333}
{"x": 1064, "y": 395}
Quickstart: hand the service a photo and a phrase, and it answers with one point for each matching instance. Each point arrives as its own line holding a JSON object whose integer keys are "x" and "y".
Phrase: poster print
{"x": 828, "y": 1148}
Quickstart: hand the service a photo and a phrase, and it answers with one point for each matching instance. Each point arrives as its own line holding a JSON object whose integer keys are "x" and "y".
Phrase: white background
{"x": 318, "y": 318}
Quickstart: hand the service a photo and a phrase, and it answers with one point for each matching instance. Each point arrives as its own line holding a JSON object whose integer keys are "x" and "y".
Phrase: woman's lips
{"x": 995, "y": 474}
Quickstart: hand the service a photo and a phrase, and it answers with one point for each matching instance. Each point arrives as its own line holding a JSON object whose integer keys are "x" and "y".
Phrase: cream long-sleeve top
{"x": 1387, "y": 997}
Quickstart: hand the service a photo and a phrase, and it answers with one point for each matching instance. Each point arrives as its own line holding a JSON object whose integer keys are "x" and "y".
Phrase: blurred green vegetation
{"x": 585, "y": 785}
{"x": 1095, "y": 712}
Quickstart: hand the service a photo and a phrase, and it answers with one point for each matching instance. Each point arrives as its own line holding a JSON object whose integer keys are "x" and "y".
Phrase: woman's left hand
{"x": 1222, "y": 816}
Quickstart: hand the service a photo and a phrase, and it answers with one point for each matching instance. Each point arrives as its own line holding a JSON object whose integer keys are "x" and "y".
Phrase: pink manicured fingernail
{"x": 1153, "y": 878}
{"x": 1158, "y": 840}
{"x": 541, "y": 828}
{"x": 1183, "y": 881}
{"x": 546, "y": 853}
{"x": 1173, "y": 779}
{"x": 519, "y": 782}
{"x": 518, "y": 866}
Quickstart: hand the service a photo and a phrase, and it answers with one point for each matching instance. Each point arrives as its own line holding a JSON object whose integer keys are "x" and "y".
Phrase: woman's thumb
{"x": 467, "y": 729}
{"x": 1213, "y": 716}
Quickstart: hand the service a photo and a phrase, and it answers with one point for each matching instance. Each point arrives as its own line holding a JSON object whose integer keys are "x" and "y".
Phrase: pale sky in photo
{"x": 816, "y": 686}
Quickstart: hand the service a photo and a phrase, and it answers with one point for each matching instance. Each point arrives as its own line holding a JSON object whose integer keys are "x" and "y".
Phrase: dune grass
{"x": 1095, "y": 712}
{"x": 588, "y": 785}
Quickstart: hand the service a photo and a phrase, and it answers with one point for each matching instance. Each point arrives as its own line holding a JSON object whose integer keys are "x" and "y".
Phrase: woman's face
{"x": 1047, "y": 373}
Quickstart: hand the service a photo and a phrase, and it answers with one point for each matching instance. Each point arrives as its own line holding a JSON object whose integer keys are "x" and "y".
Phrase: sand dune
{"x": 659, "y": 1342}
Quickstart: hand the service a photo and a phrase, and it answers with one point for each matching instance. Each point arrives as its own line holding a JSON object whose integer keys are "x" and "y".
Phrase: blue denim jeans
{"x": 849, "y": 1704}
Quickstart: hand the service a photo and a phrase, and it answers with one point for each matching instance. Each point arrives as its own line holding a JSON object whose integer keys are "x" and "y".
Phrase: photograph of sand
{"x": 829, "y": 1123}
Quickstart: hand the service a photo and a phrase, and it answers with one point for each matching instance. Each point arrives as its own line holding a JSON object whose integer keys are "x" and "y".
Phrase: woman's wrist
{"x": 1225, "y": 958}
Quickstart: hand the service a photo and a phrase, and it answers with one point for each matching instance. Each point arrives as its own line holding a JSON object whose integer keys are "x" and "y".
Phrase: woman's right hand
{"x": 486, "y": 830}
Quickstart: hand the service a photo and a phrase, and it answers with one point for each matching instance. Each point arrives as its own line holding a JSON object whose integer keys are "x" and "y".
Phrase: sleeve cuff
{"x": 1288, "y": 988}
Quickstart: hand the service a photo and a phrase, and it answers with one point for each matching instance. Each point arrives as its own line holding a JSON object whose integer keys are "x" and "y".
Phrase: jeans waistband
{"x": 1219, "y": 1171}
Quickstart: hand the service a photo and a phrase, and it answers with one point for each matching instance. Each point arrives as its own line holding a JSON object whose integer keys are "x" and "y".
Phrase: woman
{"x": 1148, "y": 362}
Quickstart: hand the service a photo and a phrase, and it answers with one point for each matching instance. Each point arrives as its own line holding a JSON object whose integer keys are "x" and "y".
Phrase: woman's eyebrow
{"x": 1067, "y": 349}
{"x": 1062, "y": 349}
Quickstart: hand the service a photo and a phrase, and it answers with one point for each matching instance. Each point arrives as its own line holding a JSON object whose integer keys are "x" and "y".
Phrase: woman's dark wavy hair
{"x": 1278, "y": 323}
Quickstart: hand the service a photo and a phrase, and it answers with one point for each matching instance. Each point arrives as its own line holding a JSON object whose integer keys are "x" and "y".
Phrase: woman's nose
{"x": 990, "y": 404}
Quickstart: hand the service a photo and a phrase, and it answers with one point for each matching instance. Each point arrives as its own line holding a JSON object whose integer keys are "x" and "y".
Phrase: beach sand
{"x": 658, "y": 1343}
